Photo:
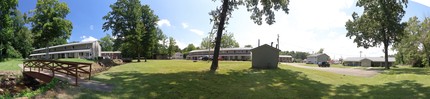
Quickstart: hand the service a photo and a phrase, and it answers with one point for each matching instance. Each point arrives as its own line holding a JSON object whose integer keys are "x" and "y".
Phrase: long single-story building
{"x": 315, "y": 58}
{"x": 285, "y": 58}
{"x": 88, "y": 50}
{"x": 367, "y": 61}
{"x": 242, "y": 54}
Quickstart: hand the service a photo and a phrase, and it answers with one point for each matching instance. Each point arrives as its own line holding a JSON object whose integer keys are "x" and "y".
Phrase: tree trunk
{"x": 386, "y": 56}
{"x": 223, "y": 15}
{"x": 138, "y": 57}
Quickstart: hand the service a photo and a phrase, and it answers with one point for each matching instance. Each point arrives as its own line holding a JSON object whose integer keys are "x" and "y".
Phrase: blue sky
{"x": 311, "y": 24}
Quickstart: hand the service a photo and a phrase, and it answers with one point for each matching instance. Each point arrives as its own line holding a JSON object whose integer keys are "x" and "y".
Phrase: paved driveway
{"x": 344, "y": 71}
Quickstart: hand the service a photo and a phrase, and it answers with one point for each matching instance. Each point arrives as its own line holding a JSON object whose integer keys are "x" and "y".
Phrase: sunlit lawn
{"x": 10, "y": 65}
{"x": 187, "y": 79}
{"x": 77, "y": 60}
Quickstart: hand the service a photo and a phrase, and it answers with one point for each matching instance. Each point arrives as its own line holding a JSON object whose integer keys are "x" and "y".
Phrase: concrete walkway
{"x": 89, "y": 84}
{"x": 344, "y": 71}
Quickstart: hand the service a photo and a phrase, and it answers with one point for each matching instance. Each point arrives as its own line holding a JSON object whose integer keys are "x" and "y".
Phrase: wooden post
{"x": 76, "y": 77}
{"x": 89, "y": 76}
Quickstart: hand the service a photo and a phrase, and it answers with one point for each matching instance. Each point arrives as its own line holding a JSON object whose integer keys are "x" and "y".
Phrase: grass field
{"x": 10, "y": 65}
{"x": 77, "y": 60}
{"x": 187, "y": 79}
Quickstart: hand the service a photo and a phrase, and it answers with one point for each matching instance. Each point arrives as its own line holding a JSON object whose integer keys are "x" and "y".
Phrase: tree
{"x": 414, "y": 46}
{"x": 219, "y": 17}
{"x": 134, "y": 25}
{"x": 23, "y": 38}
{"x": 228, "y": 41}
{"x": 7, "y": 8}
{"x": 49, "y": 24}
{"x": 160, "y": 47}
{"x": 187, "y": 49}
{"x": 107, "y": 43}
{"x": 172, "y": 44}
{"x": 379, "y": 23}
{"x": 321, "y": 51}
{"x": 248, "y": 46}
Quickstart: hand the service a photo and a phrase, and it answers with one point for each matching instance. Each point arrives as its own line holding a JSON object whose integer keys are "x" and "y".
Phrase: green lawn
{"x": 187, "y": 79}
{"x": 77, "y": 60}
{"x": 10, "y": 65}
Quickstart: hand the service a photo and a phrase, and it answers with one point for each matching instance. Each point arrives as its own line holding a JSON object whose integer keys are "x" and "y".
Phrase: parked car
{"x": 323, "y": 64}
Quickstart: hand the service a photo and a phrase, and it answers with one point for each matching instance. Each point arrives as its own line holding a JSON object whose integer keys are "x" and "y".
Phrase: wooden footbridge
{"x": 45, "y": 70}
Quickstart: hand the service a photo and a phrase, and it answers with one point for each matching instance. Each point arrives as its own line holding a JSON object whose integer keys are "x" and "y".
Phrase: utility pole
{"x": 360, "y": 53}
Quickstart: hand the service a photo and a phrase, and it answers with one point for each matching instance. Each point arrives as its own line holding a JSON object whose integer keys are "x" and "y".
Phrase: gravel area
{"x": 344, "y": 71}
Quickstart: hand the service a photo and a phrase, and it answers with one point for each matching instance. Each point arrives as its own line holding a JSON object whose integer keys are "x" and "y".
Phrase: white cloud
{"x": 309, "y": 26}
{"x": 423, "y": 2}
{"x": 87, "y": 39}
{"x": 164, "y": 22}
{"x": 184, "y": 25}
{"x": 198, "y": 32}
{"x": 180, "y": 44}
{"x": 91, "y": 27}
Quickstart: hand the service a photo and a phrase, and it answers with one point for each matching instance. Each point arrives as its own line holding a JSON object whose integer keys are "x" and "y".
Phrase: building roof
{"x": 110, "y": 52}
{"x": 221, "y": 49}
{"x": 316, "y": 55}
{"x": 61, "y": 52}
{"x": 374, "y": 59}
{"x": 268, "y": 46}
{"x": 285, "y": 56}
{"x": 69, "y": 44}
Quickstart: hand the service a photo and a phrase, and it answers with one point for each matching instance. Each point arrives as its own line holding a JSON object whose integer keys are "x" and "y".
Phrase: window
{"x": 73, "y": 47}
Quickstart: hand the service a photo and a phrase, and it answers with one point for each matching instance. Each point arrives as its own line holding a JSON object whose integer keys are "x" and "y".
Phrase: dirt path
{"x": 344, "y": 71}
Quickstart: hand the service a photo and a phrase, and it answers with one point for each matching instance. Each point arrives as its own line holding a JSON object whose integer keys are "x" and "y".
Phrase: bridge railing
{"x": 69, "y": 68}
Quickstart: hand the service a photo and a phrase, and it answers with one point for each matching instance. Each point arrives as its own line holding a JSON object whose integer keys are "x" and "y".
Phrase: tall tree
{"x": 7, "y": 8}
{"x": 171, "y": 48}
{"x": 23, "y": 38}
{"x": 134, "y": 25}
{"x": 49, "y": 23}
{"x": 379, "y": 23}
{"x": 228, "y": 41}
{"x": 258, "y": 8}
{"x": 187, "y": 49}
{"x": 107, "y": 43}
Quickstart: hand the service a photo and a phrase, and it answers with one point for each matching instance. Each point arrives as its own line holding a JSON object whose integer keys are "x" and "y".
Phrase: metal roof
{"x": 374, "y": 59}
{"x": 222, "y": 49}
{"x": 69, "y": 44}
{"x": 285, "y": 56}
{"x": 61, "y": 52}
{"x": 315, "y": 55}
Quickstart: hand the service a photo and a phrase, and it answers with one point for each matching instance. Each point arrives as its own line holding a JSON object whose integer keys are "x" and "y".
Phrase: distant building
{"x": 265, "y": 56}
{"x": 240, "y": 54}
{"x": 367, "y": 61}
{"x": 89, "y": 50}
{"x": 315, "y": 58}
{"x": 285, "y": 58}
{"x": 111, "y": 54}
{"x": 178, "y": 55}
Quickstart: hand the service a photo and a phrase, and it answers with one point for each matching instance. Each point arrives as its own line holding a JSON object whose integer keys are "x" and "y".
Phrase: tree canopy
{"x": 134, "y": 25}
{"x": 107, "y": 43}
{"x": 380, "y": 23}
{"x": 228, "y": 41}
{"x": 49, "y": 23}
{"x": 15, "y": 38}
{"x": 414, "y": 46}
{"x": 257, "y": 8}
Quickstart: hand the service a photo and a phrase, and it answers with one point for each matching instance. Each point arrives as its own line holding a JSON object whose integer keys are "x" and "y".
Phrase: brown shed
{"x": 265, "y": 56}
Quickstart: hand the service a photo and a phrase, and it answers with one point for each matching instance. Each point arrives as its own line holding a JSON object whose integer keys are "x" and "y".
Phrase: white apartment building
{"x": 89, "y": 50}
{"x": 242, "y": 54}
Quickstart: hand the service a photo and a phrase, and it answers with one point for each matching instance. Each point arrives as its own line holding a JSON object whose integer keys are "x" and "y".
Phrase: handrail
{"x": 64, "y": 67}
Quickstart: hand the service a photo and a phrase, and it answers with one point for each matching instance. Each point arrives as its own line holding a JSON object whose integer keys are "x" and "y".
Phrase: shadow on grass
{"x": 245, "y": 84}
{"x": 405, "y": 89}
{"x": 419, "y": 71}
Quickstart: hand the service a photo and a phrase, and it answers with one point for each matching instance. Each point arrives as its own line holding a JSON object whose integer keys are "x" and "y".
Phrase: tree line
{"x": 48, "y": 27}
